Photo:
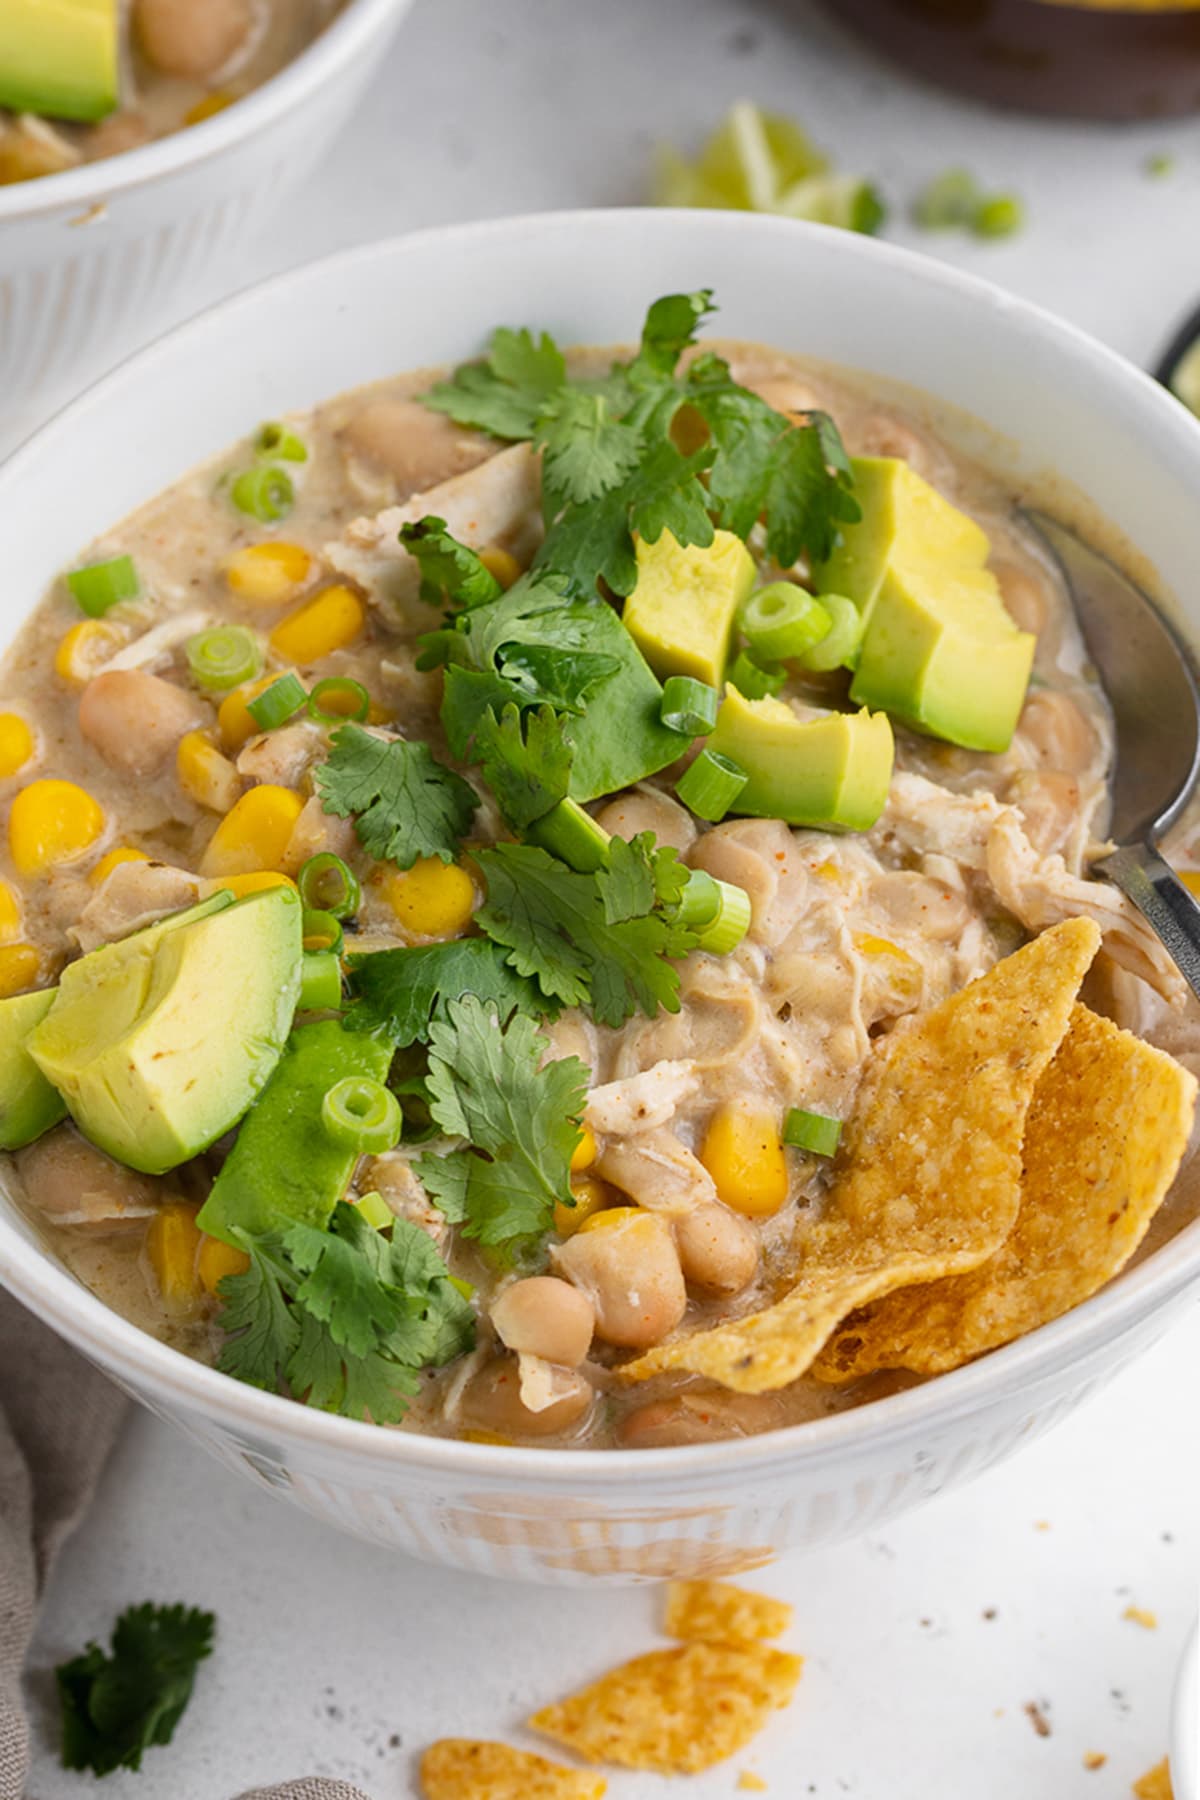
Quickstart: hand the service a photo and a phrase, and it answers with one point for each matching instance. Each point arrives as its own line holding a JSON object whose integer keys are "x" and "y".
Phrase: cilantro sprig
{"x": 346, "y": 1319}
{"x": 403, "y": 802}
{"x": 612, "y": 465}
{"x": 397, "y": 992}
{"x": 115, "y": 1706}
{"x": 602, "y": 940}
{"x": 488, "y": 1084}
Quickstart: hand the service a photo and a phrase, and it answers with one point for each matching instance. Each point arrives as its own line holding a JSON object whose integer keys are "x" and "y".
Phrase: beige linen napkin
{"x": 59, "y": 1419}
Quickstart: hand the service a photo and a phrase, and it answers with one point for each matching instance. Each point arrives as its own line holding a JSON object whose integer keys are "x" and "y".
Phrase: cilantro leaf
{"x": 529, "y": 769}
{"x": 116, "y": 1706}
{"x": 671, "y": 326}
{"x": 595, "y": 542}
{"x": 404, "y": 803}
{"x": 364, "y": 1314}
{"x": 488, "y": 1083}
{"x": 506, "y": 393}
{"x": 585, "y": 450}
{"x": 397, "y": 992}
{"x": 600, "y": 940}
{"x": 452, "y": 574}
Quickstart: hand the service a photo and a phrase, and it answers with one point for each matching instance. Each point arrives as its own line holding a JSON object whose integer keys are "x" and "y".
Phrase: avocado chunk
{"x": 683, "y": 608}
{"x": 285, "y": 1168}
{"x": 59, "y": 57}
{"x": 832, "y": 771}
{"x": 28, "y": 1104}
{"x": 939, "y": 650}
{"x": 159, "y": 1043}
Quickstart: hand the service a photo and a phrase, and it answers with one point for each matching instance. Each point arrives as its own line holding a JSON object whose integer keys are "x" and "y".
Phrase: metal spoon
{"x": 1147, "y": 673}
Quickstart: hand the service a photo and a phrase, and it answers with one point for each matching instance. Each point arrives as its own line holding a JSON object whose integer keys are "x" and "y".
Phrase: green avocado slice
{"x": 285, "y": 1167}
{"x": 831, "y": 772}
{"x": 28, "y": 1104}
{"x": 159, "y": 1043}
{"x": 59, "y": 58}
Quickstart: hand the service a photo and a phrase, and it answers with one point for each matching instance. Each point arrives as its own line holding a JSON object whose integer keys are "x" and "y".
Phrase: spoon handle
{"x": 1159, "y": 895}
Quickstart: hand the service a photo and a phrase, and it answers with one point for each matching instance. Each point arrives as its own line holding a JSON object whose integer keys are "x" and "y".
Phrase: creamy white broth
{"x": 850, "y": 934}
{"x": 181, "y": 62}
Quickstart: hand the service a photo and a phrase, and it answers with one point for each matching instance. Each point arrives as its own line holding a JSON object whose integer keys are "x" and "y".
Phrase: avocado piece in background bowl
{"x": 60, "y": 58}
{"x": 159, "y": 1043}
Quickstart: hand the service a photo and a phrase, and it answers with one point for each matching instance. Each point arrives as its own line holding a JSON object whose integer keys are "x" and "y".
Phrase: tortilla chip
{"x": 676, "y": 1711}
{"x": 1108, "y": 1126}
{"x": 931, "y": 1175}
{"x": 1155, "y": 1784}
{"x": 751, "y": 1783}
{"x": 716, "y": 1612}
{"x": 470, "y": 1769}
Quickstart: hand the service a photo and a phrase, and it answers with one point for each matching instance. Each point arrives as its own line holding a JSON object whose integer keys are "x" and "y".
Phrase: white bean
{"x": 545, "y": 1317}
{"x": 718, "y": 1249}
{"x": 492, "y": 1402}
{"x": 192, "y": 38}
{"x": 630, "y": 1270}
{"x": 134, "y": 720}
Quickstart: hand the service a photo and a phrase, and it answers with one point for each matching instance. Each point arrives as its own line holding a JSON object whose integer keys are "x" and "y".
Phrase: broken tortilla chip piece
{"x": 676, "y": 1711}
{"x": 473, "y": 1769}
{"x": 930, "y": 1181}
{"x": 1108, "y": 1125}
{"x": 716, "y": 1612}
{"x": 1155, "y": 1784}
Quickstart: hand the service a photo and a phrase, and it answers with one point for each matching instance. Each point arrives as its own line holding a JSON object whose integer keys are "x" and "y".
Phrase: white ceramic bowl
{"x": 1185, "y": 1724}
{"x": 1066, "y": 403}
{"x": 90, "y": 258}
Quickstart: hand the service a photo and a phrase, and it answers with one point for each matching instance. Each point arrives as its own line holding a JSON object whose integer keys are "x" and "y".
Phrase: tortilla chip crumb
{"x": 1041, "y": 1524}
{"x": 472, "y": 1769}
{"x": 1094, "y": 1759}
{"x": 1037, "y": 1718}
{"x": 750, "y": 1783}
{"x": 1155, "y": 1784}
{"x": 1141, "y": 1615}
{"x": 716, "y": 1612}
{"x": 676, "y": 1711}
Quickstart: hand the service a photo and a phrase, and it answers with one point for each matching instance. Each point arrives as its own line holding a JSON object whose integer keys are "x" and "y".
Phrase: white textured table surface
{"x": 332, "y": 1658}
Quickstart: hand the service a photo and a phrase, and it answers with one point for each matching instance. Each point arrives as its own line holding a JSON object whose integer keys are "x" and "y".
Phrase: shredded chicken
{"x": 657, "y": 1171}
{"x": 283, "y": 756}
{"x": 393, "y": 1178}
{"x": 543, "y": 1384}
{"x": 133, "y": 895}
{"x": 496, "y": 503}
{"x": 641, "y": 1102}
{"x": 157, "y": 645}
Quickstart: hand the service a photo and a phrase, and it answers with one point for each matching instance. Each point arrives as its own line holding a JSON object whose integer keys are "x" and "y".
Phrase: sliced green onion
{"x": 731, "y": 924}
{"x": 814, "y": 1132}
{"x": 375, "y": 1211}
{"x": 320, "y": 930}
{"x": 320, "y": 982}
{"x": 998, "y": 216}
{"x": 278, "y": 703}
{"x": 571, "y": 834}
{"x": 462, "y": 1287}
{"x": 783, "y": 620}
{"x": 362, "y": 1113}
{"x": 224, "y": 657}
{"x": 264, "y": 493}
{"x": 327, "y": 884}
{"x": 104, "y": 584}
{"x": 689, "y": 706}
{"x": 951, "y": 198}
{"x": 840, "y": 645}
{"x": 337, "y": 699}
{"x": 711, "y": 785}
{"x": 753, "y": 680}
{"x": 280, "y": 441}
{"x": 701, "y": 900}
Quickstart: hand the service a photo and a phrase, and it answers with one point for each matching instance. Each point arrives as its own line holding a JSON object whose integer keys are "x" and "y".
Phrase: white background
{"x": 333, "y": 1658}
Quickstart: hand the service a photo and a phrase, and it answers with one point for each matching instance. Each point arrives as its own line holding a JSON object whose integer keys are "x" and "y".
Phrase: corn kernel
{"x": 584, "y": 1153}
{"x": 905, "y": 975}
{"x": 608, "y": 1216}
{"x": 487, "y": 1437}
{"x": 112, "y": 859}
{"x": 379, "y": 714}
{"x": 251, "y": 883}
{"x": 501, "y": 564}
{"x": 432, "y": 899}
{"x": 10, "y": 914}
{"x": 236, "y": 725}
{"x": 216, "y": 1260}
{"x": 254, "y": 836}
{"x": 209, "y": 107}
{"x": 744, "y": 1154}
{"x": 269, "y": 573}
{"x": 205, "y": 774}
{"x": 322, "y": 625}
{"x": 85, "y": 648}
{"x": 52, "y": 822}
{"x": 172, "y": 1242}
{"x": 591, "y": 1196}
{"x": 16, "y": 743}
{"x": 19, "y": 965}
